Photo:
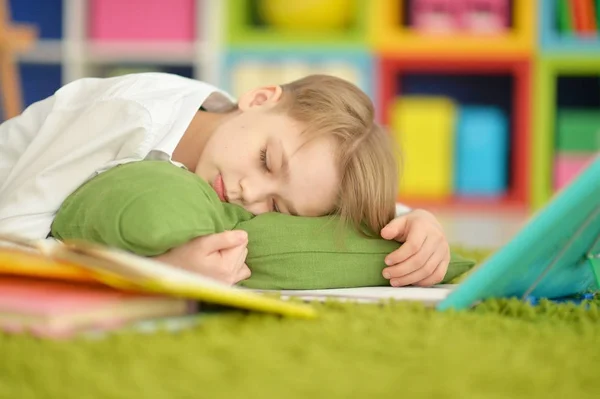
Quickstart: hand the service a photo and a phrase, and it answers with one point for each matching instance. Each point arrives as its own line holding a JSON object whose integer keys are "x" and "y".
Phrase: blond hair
{"x": 366, "y": 157}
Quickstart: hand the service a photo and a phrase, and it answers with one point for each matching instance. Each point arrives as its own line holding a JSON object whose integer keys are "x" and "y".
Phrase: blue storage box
{"x": 481, "y": 152}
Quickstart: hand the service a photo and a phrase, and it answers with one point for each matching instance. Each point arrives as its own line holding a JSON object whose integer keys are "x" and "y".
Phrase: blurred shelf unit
{"x": 566, "y": 118}
{"x": 476, "y": 114}
{"x": 307, "y": 23}
{"x": 491, "y": 28}
{"x": 566, "y": 133}
{"x": 524, "y": 67}
{"x": 100, "y": 37}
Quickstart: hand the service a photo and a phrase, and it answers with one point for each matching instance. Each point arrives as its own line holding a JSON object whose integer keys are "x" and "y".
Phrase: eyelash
{"x": 263, "y": 161}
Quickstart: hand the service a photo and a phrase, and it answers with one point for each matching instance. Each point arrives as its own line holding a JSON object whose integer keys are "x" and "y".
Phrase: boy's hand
{"x": 221, "y": 256}
{"x": 424, "y": 257}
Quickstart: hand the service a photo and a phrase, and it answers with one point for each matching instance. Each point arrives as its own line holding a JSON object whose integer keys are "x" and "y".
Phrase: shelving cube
{"x": 548, "y": 69}
{"x": 517, "y": 196}
{"x": 551, "y": 40}
{"x": 389, "y": 36}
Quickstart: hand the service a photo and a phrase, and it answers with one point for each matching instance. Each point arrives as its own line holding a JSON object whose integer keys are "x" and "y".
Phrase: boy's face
{"x": 258, "y": 159}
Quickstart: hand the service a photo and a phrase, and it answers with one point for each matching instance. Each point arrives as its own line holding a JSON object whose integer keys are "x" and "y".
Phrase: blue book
{"x": 556, "y": 254}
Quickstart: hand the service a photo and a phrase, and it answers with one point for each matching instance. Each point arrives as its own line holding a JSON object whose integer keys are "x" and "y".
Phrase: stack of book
{"x": 57, "y": 290}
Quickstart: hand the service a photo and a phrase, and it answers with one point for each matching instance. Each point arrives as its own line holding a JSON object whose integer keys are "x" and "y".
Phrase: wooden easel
{"x": 13, "y": 38}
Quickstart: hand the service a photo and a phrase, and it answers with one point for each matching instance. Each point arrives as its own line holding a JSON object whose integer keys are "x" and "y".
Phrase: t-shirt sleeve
{"x": 17, "y": 133}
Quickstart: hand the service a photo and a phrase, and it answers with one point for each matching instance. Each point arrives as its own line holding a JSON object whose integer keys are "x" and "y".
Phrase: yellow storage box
{"x": 424, "y": 128}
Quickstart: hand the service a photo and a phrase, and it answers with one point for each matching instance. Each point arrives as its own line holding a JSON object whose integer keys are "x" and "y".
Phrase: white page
{"x": 431, "y": 295}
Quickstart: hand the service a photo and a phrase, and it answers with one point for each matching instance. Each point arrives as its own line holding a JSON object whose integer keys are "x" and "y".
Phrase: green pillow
{"x": 290, "y": 252}
{"x": 150, "y": 207}
{"x": 146, "y": 208}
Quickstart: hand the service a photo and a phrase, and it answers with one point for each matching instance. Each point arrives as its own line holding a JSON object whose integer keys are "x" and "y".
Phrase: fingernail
{"x": 242, "y": 236}
{"x": 386, "y": 275}
{"x": 388, "y": 262}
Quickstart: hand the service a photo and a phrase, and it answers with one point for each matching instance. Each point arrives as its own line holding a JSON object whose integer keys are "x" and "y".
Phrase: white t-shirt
{"x": 87, "y": 127}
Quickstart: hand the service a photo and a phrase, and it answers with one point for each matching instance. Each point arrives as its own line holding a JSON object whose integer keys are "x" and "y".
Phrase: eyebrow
{"x": 285, "y": 171}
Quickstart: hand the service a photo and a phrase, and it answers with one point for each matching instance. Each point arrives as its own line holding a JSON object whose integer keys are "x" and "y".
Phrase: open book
{"x": 84, "y": 262}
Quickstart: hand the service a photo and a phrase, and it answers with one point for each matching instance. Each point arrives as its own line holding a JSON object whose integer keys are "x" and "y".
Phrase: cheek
{"x": 233, "y": 138}
{"x": 231, "y": 155}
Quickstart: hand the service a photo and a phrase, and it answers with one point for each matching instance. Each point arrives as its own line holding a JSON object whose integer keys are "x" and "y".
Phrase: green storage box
{"x": 578, "y": 130}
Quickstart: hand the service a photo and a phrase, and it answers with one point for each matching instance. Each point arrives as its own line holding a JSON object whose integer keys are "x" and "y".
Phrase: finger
{"x": 232, "y": 258}
{"x": 417, "y": 260}
{"x": 242, "y": 270}
{"x": 436, "y": 277}
{"x": 241, "y": 261}
{"x": 413, "y": 245}
{"x": 396, "y": 229}
{"x": 244, "y": 274}
{"x": 221, "y": 241}
{"x": 421, "y": 273}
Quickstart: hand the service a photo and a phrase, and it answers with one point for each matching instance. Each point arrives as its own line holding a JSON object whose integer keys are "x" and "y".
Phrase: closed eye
{"x": 265, "y": 165}
{"x": 263, "y": 159}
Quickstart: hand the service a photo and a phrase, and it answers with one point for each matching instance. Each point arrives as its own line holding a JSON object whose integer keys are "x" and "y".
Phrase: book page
{"x": 433, "y": 294}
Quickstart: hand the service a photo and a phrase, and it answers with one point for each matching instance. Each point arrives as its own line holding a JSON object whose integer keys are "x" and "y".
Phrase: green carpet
{"x": 501, "y": 349}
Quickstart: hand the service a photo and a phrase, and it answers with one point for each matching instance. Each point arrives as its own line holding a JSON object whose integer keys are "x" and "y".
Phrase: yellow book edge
{"x": 92, "y": 263}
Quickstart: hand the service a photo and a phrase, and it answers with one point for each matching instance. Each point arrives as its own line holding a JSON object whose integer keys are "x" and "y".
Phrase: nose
{"x": 257, "y": 195}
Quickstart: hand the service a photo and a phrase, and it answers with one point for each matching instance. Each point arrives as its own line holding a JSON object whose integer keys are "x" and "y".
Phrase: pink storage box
{"x": 568, "y": 166}
{"x": 436, "y": 16}
{"x": 139, "y": 20}
{"x": 484, "y": 16}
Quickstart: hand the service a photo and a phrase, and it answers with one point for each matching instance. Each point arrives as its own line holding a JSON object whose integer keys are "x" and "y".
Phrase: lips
{"x": 219, "y": 187}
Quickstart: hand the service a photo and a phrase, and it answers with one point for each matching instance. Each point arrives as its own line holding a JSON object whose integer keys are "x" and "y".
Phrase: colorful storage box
{"x": 424, "y": 128}
{"x": 568, "y": 166}
{"x": 481, "y": 154}
{"x": 578, "y": 130}
{"x": 137, "y": 20}
{"x": 436, "y": 16}
{"x": 485, "y": 16}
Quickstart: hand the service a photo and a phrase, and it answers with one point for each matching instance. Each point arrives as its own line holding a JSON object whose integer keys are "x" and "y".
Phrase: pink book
{"x": 568, "y": 166}
{"x": 60, "y": 309}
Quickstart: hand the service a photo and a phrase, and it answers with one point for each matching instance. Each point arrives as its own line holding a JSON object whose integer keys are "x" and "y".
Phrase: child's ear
{"x": 267, "y": 96}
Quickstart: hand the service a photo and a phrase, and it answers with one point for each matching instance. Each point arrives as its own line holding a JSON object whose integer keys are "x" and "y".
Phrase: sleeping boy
{"x": 309, "y": 148}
